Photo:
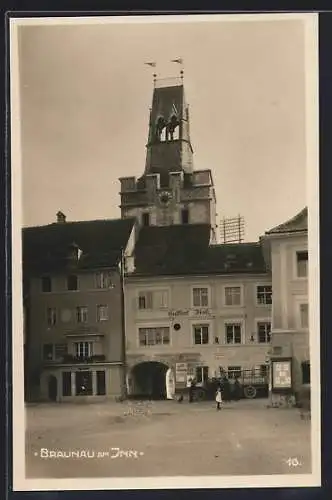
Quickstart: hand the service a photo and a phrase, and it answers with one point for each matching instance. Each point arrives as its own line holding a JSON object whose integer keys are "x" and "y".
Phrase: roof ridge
{"x": 63, "y": 224}
{"x": 245, "y": 243}
{"x": 288, "y": 221}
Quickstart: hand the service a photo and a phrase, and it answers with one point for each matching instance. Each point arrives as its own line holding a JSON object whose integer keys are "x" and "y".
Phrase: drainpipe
{"x": 123, "y": 330}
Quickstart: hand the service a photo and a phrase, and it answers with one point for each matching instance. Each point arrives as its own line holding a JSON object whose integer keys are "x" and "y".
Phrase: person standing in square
{"x": 218, "y": 398}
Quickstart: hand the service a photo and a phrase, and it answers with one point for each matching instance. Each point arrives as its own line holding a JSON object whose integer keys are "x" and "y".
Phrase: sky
{"x": 85, "y": 94}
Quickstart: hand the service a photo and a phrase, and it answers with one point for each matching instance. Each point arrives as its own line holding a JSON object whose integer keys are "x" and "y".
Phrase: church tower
{"x": 170, "y": 191}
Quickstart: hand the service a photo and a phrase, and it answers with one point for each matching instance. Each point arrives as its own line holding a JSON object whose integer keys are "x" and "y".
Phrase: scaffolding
{"x": 232, "y": 229}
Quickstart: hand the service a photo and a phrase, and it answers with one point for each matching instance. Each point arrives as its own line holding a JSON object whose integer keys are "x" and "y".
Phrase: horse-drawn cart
{"x": 247, "y": 384}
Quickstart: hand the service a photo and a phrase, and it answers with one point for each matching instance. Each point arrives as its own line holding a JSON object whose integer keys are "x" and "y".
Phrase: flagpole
{"x": 153, "y": 65}
{"x": 179, "y": 61}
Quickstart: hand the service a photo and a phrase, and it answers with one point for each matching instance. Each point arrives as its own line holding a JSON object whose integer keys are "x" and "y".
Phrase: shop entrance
{"x": 148, "y": 380}
{"x": 52, "y": 388}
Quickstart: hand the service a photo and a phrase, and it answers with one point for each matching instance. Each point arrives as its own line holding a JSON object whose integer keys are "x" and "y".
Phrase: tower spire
{"x": 169, "y": 146}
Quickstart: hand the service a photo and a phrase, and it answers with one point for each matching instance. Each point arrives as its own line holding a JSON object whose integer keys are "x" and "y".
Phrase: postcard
{"x": 165, "y": 270}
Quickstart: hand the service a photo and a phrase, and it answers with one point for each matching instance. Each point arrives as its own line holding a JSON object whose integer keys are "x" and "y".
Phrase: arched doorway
{"x": 52, "y": 388}
{"x": 148, "y": 380}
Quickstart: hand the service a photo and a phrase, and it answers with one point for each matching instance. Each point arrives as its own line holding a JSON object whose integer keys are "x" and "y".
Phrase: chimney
{"x": 60, "y": 218}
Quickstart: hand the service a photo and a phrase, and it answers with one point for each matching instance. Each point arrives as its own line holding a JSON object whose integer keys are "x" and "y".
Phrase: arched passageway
{"x": 148, "y": 380}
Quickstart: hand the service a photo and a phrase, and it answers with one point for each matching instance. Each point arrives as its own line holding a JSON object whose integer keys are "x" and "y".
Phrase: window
{"x": 47, "y": 352}
{"x": 154, "y": 336}
{"x": 233, "y": 333}
{"x": 145, "y": 219}
{"x": 232, "y": 295}
{"x": 305, "y": 372}
{"x": 304, "y": 315}
{"x": 101, "y": 385}
{"x": 83, "y": 383}
{"x": 102, "y": 313}
{"x": 234, "y": 372}
{"x": 264, "y": 294}
{"x": 263, "y": 370}
{"x": 72, "y": 282}
{"x": 46, "y": 284}
{"x": 60, "y": 350}
{"x": 302, "y": 264}
{"x": 83, "y": 349}
{"x": 66, "y": 383}
{"x": 153, "y": 300}
{"x": 264, "y": 332}
{"x": 201, "y": 334}
{"x": 145, "y": 300}
{"x": 103, "y": 279}
{"x": 82, "y": 314}
{"x": 200, "y": 297}
{"x": 53, "y": 352}
{"x": 202, "y": 374}
{"x": 185, "y": 216}
{"x": 160, "y": 299}
{"x": 51, "y": 316}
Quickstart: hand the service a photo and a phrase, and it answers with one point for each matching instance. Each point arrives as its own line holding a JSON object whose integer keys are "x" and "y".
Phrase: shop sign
{"x": 282, "y": 374}
{"x": 196, "y": 312}
{"x": 181, "y": 370}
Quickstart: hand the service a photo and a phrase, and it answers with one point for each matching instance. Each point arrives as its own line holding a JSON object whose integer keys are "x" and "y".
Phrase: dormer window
{"x": 75, "y": 252}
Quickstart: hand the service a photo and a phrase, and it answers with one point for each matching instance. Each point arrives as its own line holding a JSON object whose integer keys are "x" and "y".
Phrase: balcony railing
{"x": 70, "y": 359}
{"x": 172, "y": 81}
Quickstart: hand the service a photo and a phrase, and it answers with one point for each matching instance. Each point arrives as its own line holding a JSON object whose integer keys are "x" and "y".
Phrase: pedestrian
{"x": 237, "y": 389}
{"x": 218, "y": 398}
{"x": 191, "y": 390}
{"x": 226, "y": 389}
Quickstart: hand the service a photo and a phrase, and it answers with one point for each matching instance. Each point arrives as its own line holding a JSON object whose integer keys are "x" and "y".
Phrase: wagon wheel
{"x": 250, "y": 392}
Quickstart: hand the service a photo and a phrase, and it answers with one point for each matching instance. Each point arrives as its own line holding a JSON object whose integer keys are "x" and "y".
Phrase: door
{"x": 170, "y": 384}
{"x": 52, "y": 388}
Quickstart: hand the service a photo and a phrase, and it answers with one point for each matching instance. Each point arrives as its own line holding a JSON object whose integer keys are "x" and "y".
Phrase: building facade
{"x": 75, "y": 296}
{"x": 194, "y": 325}
{"x": 287, "y": 250}
{"x": 147, "y": 302}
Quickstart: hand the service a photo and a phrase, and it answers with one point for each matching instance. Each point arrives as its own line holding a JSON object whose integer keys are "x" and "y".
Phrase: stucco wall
{"x": 248, "y": 354}
{"x": 109, "y": 342}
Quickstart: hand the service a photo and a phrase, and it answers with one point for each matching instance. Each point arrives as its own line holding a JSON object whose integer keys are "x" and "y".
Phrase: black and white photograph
{"x": 165, "y": 235}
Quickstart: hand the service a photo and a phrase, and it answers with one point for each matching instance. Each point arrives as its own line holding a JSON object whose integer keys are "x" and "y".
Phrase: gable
{"x": 297, "y": 223}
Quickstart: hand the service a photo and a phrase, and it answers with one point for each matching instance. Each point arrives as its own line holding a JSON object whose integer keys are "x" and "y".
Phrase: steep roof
{"x": 298, "y": 223}
{"x": 185, "y": 249}
{"x": 47, "y": 248}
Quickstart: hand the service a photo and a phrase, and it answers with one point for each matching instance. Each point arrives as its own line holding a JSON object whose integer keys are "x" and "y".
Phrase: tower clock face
{"x": 164, "y": 197}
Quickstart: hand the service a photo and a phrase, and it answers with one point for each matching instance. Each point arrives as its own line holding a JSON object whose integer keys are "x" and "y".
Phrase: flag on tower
{"x": 152, "y": 64}
{"x": 178, "y": 61}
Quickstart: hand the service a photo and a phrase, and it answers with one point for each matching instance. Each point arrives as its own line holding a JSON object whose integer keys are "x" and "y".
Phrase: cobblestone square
{"x": 165, "y": 439}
